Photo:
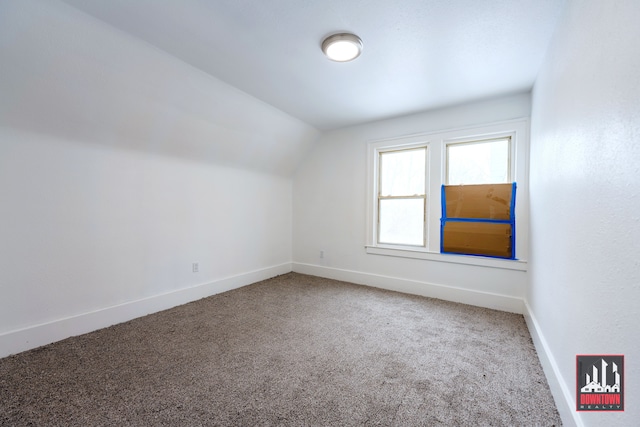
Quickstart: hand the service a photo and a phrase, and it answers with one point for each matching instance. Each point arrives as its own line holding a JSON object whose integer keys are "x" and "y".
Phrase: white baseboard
{"x": 562, "y": 396}
{"x": 37, "y": 335}
{"x": 447, "y": 293}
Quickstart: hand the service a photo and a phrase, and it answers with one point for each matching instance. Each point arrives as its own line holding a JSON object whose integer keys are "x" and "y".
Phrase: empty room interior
{"x": 205, "y": 219}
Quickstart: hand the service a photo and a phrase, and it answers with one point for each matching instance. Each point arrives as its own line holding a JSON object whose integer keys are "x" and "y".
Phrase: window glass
{"x": 479, "y": 162}
{"x": 402, "y": 197}
{"x": 402, "y": 173}
{"x": 402, "y": 221}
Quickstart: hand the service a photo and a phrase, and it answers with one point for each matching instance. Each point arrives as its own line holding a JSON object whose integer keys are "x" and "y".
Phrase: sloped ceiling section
{"x": 68, "y": 74}
{"x": 418, "y": 54}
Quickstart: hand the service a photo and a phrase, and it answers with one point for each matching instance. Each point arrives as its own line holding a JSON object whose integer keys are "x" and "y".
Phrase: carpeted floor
{"x": 292, "y": 350}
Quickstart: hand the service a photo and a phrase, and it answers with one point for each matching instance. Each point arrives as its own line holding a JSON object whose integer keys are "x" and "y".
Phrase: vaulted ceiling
{"x": 418, "y": 54}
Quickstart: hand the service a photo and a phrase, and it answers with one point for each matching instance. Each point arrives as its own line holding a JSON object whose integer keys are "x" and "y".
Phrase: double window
{"x": 406, "y": 176}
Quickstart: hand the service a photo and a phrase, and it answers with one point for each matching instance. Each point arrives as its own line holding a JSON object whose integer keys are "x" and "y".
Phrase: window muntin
{"x": 479, "y": 162}
{"x": 402, "y": 198}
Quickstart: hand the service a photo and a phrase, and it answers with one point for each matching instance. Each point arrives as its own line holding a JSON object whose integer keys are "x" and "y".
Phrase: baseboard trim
{"x": 561, "y": 394}
{"x": 16, "y": 341}
{"x": 444, "y": 292}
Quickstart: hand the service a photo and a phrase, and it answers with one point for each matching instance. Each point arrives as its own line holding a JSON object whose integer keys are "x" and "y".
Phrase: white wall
{"x": 86, "y": 228}
{"x": 120, "y": 166}
{"x": 585, "y": 201}
{"x": 330, "y": 213}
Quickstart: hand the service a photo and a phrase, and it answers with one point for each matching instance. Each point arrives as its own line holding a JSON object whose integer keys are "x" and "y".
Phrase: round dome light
{"x": 342, "y": 47}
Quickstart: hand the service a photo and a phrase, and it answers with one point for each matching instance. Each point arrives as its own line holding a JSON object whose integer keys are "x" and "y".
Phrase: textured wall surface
{"x": 585, "y": 197}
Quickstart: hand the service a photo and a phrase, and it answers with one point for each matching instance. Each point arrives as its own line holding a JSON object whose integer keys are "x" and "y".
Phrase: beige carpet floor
{"x": 293, "y": 350}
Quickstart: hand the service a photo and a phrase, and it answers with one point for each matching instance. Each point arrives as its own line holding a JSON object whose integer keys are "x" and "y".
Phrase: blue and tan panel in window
{"x": 479, "y": 220}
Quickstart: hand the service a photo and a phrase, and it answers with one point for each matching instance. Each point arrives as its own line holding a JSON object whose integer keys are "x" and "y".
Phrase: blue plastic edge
{"x": 443, "y": 218}
{"x": 512, "y": 222}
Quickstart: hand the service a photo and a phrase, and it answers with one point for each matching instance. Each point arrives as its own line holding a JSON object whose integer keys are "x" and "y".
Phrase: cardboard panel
{"x": 478, "y": 238}
{"x": 484, "y": 201}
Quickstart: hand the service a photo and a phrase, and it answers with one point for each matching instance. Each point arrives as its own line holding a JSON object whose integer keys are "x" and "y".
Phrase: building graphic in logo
{"x": 600, "y": 382}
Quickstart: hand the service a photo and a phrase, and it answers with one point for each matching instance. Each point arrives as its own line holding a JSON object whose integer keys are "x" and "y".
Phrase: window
{"x": 402, "y": 199}
{"x": 405, "y": 186}
{"x": 479, "y": 162}
{"x": 478, "y": 199}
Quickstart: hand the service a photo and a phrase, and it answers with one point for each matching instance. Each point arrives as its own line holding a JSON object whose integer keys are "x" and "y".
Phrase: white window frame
{"x": 436, "y": 143}
{"x": 383, "y": 148}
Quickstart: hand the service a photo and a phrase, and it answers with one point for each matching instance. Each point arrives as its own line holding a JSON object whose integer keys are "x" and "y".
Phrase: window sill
{"x": 505, "y": 264}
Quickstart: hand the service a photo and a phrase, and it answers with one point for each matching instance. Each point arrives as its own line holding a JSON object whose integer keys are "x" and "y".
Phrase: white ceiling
{"x": 418, "y": 54}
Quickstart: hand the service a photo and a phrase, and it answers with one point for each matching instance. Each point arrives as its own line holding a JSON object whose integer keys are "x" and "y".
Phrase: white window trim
{"x": 382, "y": 148}
{"x": 373, "y": 166}
{"x": 436, "y": 143}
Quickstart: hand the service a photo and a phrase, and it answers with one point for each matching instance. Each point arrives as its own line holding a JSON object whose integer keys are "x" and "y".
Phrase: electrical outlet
{"x": 321, "y": 254}
{"x": 194, "y": 267}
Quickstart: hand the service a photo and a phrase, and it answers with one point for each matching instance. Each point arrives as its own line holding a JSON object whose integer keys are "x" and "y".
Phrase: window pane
{"x": 402, "y": 173}
{"x": 402, "y": 221}
{"x": 485, "y": 162}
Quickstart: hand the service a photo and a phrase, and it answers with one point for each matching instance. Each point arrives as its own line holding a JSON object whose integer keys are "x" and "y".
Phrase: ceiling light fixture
{"x": 342, "y": 47}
